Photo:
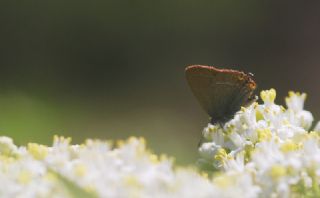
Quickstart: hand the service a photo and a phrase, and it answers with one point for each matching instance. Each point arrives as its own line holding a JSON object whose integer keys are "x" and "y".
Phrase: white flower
{"x": 264, "y": 151}
{"x": 295, "y": 101}
{"x": 271, "y": 144}
{"x": 97, "y": 169}
{"x": 7, "y": 147}
{"x": 207, "y": 150}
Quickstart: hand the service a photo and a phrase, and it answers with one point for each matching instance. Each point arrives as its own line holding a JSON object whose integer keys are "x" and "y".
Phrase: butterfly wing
{"x": 221, "y": 92}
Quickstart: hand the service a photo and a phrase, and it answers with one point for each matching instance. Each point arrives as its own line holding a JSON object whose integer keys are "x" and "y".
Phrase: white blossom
{"x": 272, "y": 145}
{"x": 266, "y": 151}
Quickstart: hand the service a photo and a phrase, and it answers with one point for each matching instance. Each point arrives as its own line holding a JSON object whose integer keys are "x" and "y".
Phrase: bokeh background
{"x": 112, "y": 69}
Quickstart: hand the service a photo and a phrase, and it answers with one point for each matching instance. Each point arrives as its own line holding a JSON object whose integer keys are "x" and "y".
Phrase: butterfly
{"x": 220, "y": 92}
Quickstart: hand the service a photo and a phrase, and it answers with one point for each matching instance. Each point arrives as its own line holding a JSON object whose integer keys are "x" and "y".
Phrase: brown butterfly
{"x": 221, "y": 92}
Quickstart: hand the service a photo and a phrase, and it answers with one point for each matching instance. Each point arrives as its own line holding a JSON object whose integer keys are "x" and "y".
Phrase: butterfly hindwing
{"x": 221, "y": 92}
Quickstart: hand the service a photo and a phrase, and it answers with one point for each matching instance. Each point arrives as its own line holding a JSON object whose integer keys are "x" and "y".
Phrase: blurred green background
{"x": 113, "y": 69}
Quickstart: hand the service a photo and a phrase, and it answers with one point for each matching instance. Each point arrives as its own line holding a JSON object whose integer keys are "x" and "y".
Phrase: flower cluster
{"x": 270, "y": 145}
{"x": 266, "y": 150}
{"x": 95, "y": 169}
